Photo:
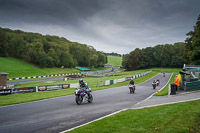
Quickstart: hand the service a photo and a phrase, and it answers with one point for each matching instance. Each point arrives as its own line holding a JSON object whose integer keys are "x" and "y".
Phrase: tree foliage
{"x": 192, "y": 51}
{"x": 167, "y": 55}
{"x": 48, "y": 51}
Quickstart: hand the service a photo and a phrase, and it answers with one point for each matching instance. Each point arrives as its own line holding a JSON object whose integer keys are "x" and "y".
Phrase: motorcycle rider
{"x": 83, "y": 85}
{"x": 131, "y": 85}
{"x": 154, "y": 84}
{"x": 131, "y": 82}
{"x": 157, "y": 82}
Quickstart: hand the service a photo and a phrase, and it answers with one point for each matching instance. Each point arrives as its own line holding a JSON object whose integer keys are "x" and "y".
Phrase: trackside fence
{"x": 115, "y": 81}
{"x": 37, "y": 89}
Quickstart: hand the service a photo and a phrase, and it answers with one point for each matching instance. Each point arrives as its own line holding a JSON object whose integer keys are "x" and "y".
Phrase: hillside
{"x": 17, "y": 68}
{"x": 114, "y": 60}
{"x": 48, "y": 51}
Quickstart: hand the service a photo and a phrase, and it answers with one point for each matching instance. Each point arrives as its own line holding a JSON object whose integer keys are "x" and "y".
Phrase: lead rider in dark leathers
{"x": 83, "y": 85}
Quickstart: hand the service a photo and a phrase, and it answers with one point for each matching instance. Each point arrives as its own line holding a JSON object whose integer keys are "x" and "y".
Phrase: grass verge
{"x": 174, "y": 118}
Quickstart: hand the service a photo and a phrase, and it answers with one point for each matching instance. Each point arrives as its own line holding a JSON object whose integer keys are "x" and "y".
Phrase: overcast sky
{"x": 107, "y": 25}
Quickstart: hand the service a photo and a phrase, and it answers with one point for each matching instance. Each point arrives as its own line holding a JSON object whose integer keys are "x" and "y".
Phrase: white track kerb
{"x": 129, "y": 108}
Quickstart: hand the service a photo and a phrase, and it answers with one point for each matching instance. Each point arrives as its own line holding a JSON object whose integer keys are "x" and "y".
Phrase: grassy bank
{"x": 17, "y": 68}
{"x": 27, "y": 97}
{"x": 175, "y": 118}
{"x": 114, "y": 60}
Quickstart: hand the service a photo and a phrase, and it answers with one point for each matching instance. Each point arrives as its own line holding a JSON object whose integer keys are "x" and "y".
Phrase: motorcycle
{"x": 83, "y": 95}
{"x": 154, "y": 84}
{"x": 132, "y": 88}
{"x": 157, "y": 82}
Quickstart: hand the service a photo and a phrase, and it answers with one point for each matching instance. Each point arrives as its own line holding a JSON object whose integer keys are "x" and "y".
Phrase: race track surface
{"x": 59, "y": 114}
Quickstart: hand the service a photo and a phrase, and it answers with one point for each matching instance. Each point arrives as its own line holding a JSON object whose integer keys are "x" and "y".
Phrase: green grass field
{"x": 174, "y": 118}
{"x": 114, "y": 60}
{"x": 17, "y": 68}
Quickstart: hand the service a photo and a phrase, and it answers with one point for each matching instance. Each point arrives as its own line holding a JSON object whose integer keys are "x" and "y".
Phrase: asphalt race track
{"x": 59, "y": 114}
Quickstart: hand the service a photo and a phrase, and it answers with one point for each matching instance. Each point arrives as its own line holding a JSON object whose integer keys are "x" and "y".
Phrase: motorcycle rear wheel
{"x": 78, "y": 100}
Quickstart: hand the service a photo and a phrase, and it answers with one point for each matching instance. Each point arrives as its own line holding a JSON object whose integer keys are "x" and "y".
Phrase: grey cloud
{"x": 108, "y": 25}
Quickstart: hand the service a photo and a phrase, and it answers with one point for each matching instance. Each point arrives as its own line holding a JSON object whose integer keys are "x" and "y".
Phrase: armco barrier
{"x": 107, "y": 82}
{"x": 23, "y": 90}
{"x": 5, "y": 91}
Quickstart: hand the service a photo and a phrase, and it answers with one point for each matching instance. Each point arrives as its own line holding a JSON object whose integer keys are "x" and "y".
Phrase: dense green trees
{"x": 167, "y": 55}
{"x": 48, "y": 51}
{"x": 192, "y": 52}
{"x": 3, "y": 43}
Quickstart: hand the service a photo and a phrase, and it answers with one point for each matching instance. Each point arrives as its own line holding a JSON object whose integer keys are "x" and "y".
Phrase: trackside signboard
{"x": 5, "y": 91}
{"x": 23, "y": 90}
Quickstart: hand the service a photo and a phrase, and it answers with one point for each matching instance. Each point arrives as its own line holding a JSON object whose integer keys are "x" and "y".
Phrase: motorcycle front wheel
{"x": 90, "y": 98}
{"x": 78, "y": 100}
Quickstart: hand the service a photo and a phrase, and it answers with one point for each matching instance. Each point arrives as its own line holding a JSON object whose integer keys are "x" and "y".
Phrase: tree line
{"x": 167, "y": 55}
{"x": 113, "y": 54}
{"x": 48, "y": 51}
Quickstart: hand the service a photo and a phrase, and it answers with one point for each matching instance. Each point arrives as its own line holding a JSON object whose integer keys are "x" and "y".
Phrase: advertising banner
{"x": 23, "y": 90}
{"x": 128, "y": 78}
{"x": 66, "y": 86}
{"x": 42, "y": 88}
{"x": 5, "y": 91}
{"x": 53, "y": 87}
{"x": 75, "y": 85}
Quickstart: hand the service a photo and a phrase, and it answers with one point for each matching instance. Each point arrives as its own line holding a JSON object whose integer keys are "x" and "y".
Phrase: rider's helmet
{"x": 81, "y": 81}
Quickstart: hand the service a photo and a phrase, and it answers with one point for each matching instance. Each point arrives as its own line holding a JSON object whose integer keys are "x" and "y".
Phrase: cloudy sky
{"x": 107, "y": 25}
